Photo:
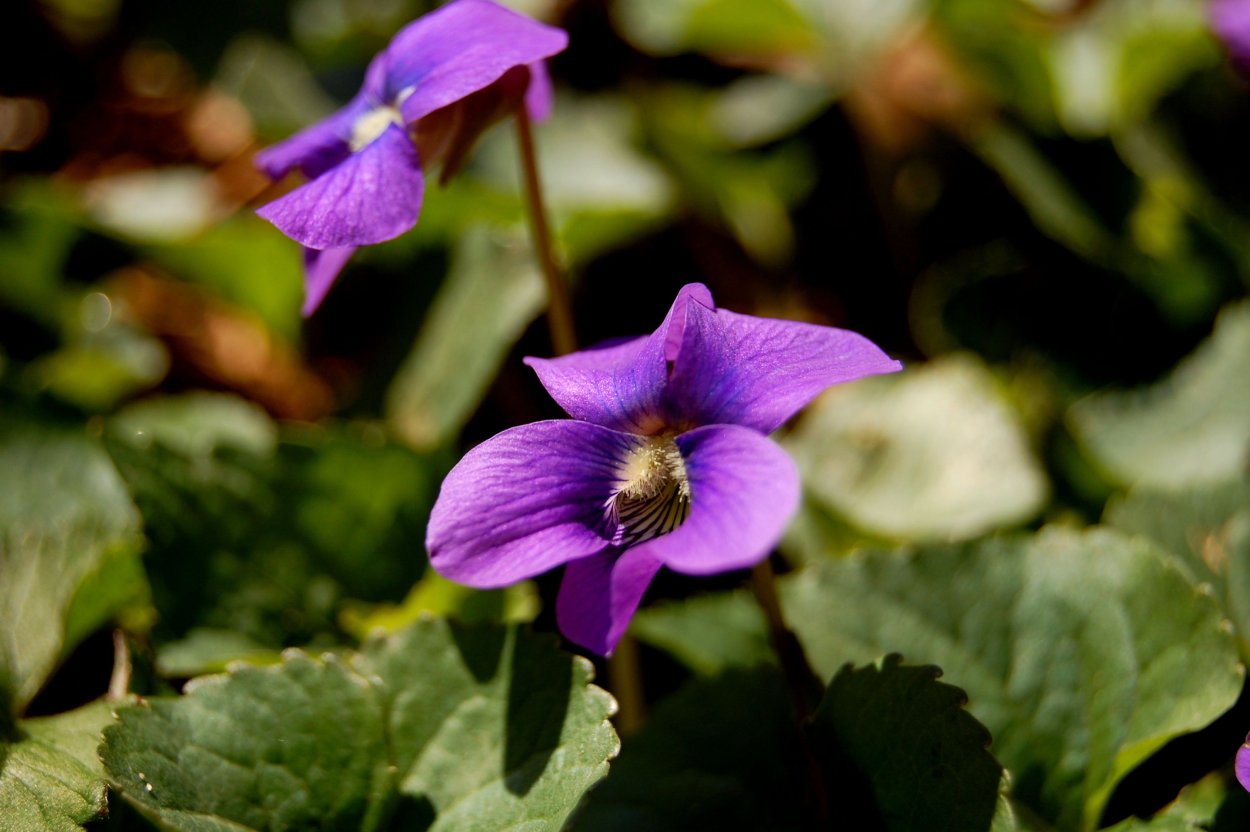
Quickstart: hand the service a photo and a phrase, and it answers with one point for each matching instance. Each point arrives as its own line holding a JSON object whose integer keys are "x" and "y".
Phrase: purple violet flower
{"x": 1242, "y": 766}
{"x": 440, "y": 82}
{"x": 1231, "y": 21}
{"x": 666, "y": 462}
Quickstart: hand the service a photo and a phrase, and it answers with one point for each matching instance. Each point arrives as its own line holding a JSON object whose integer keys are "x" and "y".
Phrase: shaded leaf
{"x": 1189, "y": 429}
{"x": 493, "y": 292}
{"x": 1083, "y": 653}
{"x": 910, "y": 738}
{"x": 264, "y": 534}
{"x": 64, "y": 514}
{"x": 893, "y": 748}
{"x": 244, "y": 261}
{"x": 708, "y": 633}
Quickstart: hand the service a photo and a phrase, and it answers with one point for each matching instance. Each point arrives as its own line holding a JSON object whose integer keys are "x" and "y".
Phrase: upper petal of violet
{"x": 758, "y": 372}
{"x": 460, "y": 48}
{"x": 622, "y": 385}
{"x": 373, "y": 195}
{"x": 525, "y": 501}
{"x": 743, "y": 491}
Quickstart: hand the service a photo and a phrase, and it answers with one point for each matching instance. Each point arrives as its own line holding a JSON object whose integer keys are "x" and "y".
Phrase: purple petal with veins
{"x": 461, "y": 48}
{"x": 525, "y": 501}
{"x": 374, "y": 195}
{"x": 599, "y": 595}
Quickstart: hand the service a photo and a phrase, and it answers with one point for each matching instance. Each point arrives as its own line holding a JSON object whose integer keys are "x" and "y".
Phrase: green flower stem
{"x": 803, "y": 684}
{"x": 119, "y": 681}
{"x": 624, "y": 675}
{"x": 559, "y": 311}
{"x": 625, "y": 679}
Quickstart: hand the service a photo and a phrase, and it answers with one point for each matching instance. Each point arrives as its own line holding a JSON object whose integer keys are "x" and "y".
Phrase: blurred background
{"x": 1041, "y": 206}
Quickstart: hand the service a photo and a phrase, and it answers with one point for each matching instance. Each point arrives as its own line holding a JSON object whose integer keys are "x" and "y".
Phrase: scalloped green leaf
{"x": 436, "y": 727}
{"x": 50, "y": 778}
{"x": 491, "y": 729}
{"x": 1083, "y": 652}
{"x": 1192, "y": 428}
{"x": 931, "y": 453}
{"x": 907, "y": 736}
{"x": 64, "y": 515}
{"x": 296, "y": 745}
{"x": 892, "y": 748}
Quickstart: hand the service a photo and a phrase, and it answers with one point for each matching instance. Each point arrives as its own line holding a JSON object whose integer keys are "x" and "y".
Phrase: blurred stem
{"x": 559, "y": 311}
{"x": 803, "y": 684}
{"x": 626, "y": 680}
{"x": 119, "y": 682}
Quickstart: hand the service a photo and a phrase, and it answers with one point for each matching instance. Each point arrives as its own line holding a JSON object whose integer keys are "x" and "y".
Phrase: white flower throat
{"x": 653, "y": 497}
{"x": 371, "y": 125}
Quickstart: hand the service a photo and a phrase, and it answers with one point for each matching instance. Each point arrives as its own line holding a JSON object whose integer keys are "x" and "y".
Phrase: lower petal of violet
{"x": 526, "y": 501}
{"x": 599, "y": 596}
{"x": 321, "y": 268}
{"x": 743, "y": 491}
{"x": 373, "y": 196}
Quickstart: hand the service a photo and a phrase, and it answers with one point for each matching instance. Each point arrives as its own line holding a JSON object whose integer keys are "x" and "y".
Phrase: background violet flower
{"x": 1231, "y": 21}
{"x": 441, "y": 81}
{"x": 666, "y": 462}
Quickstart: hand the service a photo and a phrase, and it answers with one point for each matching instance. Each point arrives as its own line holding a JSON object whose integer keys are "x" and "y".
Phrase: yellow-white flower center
{"x": 371, "y": 125}
{"x": 653, "y": 496}
{"x": 367, "y": 128}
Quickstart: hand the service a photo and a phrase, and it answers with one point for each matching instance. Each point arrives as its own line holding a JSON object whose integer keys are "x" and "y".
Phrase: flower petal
{"x": 743, "y": 491}
{"x": 525, "y": 501}
{"x": 1231, "y": 21}
{"x": 460, "y": 48}
{"x": 320, "y": 270}
{"x": 321, "y": 146}
{"x": 622, "y": 385}
{"x": 374, "y": 195}
{"x": 598, "y": 597}
{"x": 758, "y": 372}
{"x": 539, "y": 93}
{"x": 1242, "y": 764}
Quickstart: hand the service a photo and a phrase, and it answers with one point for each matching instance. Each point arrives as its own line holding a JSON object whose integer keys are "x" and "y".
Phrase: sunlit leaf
{"x": 50, "y": 777}
{"x": 932, "y": 452}
{"x": 436, "y": 727}
{"x": 1208, "y": 529}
